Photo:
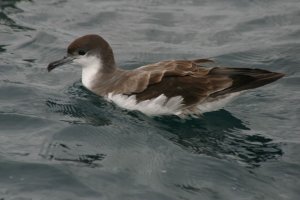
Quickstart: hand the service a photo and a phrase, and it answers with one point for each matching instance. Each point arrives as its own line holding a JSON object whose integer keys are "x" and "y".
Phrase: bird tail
{"x": 244, "y": 78}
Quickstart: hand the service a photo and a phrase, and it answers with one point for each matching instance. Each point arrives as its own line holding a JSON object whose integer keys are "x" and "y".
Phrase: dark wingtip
{"x": 245, "y": 78}
{"x": 265, "y": 78}
{"x": 279, "y": 75}
{"x": 203, "y": 60}
{"x": 273, "y": 76}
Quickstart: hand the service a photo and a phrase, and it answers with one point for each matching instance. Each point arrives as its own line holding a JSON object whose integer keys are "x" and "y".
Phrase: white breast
{"x": 91, "y": 65}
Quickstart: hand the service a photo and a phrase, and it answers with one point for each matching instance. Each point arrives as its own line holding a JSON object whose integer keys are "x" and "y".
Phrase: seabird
{"x": 173, "y": 87}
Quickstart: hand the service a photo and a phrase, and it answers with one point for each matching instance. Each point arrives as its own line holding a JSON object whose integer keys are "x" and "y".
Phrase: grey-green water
{"x": 59, "y": 141}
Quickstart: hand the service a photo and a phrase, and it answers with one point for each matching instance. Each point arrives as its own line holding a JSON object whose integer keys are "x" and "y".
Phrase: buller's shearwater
{"x": 179, "y": 87}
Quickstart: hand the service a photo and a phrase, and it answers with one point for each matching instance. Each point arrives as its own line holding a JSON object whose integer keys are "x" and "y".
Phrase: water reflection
{"x": 4, "y": 4}
{"x": 75, "y": 143}
{"x": 8, "y": 7}
{"x": 2, "y": 48}
{"x": 82, "y": 107}
{"x": 218, "y": 134}
{"x": 69, "y": 151}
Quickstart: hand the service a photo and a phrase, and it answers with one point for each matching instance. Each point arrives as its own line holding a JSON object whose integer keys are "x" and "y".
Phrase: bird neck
{"x": 89, "y": 73}
{"x": 96, "y": 71}
{"x": 98, "y": 66}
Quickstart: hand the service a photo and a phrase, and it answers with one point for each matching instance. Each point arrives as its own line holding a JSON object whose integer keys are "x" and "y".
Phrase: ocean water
{"x": 60, "y": 141}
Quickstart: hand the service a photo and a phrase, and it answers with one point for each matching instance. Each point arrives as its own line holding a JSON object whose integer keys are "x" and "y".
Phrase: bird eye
{"x": 81, "y": 52}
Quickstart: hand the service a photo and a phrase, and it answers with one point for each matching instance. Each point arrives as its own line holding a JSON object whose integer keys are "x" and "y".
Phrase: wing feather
{"x": 191, "y": 80}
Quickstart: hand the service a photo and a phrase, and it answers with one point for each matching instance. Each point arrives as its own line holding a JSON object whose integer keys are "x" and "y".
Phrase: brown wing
{"x": 140, "y": 79}
{"x": 184, "y": 78}
{"x": 195, "y": 83}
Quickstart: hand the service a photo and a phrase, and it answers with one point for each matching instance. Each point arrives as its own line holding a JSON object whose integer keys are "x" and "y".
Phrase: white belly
{"x": 161, "y": 105}
{"x": 218, "y": 104}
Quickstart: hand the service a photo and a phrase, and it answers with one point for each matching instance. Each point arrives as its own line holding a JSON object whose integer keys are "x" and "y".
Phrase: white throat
{"x": 91, "y": 66}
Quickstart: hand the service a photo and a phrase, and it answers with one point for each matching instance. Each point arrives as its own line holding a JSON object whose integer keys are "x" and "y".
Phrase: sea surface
{"x": 58, "y": 141}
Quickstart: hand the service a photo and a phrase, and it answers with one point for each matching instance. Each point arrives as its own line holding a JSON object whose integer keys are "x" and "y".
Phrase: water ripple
{"x": 57, "y": 136}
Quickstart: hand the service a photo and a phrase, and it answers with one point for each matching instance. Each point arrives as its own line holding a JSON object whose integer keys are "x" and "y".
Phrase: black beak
{"x": 65, "y": 60}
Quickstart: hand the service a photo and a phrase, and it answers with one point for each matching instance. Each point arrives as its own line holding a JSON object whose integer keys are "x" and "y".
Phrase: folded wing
{"x": 193, "y": 82}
